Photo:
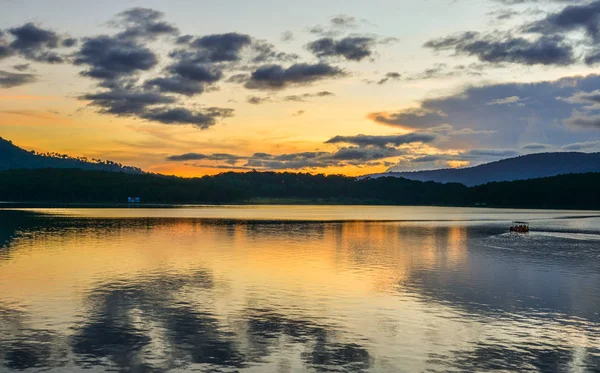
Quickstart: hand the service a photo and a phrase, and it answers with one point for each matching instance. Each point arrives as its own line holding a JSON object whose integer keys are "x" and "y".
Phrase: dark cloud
{"x": 196, "y": 72}
{"x": 9, "y": 80}
{"x": 584, "y": 120}
{"x": 365, "y": 153}
{"x": 34, "y": 43}
{"x": 500, "y": 153}
{"x": 344, "y": 21}
{"x": 240, "y": 78}
{"x": 356, "y": 156}
{"x": 263, "y": 52}
{"x": 255, "y": 100}
{"x": 536, "y": 146}
{"x": 410, "y": 119}
{"x": 287, "y": 36}
{"x": 369, "y": 149}
{"x": 352, "y": 48}
{"x": 592, "y": 97}
{"x": 5, "y": 51}
{"x": 112, "y": 58}
{"x": 507, "y": 115}
{"x": 572, "y": 17}
{"x": 225, "y": 157}
{"x": 439, "y": 70}
{"x": 384, "y": 141}
{"x": 143, "y": 24}
{"x": 298, "y": 113}
{"x": 69, "y": 42}
{"x": 176, "y": 84}
{"x": 272, "y": 77}
{"x": 21, "y": 67}
{"x": 126, "y": 101}
{"x": 337, "y": 25}
{"x": 504, "y": 14}
{"x": 303, "y": 97}
{"x": 219, "y": 47}
{"x": 182, "y": 116}
{"x": 586, "y": 145}
{"x": 389, "y": 76}
{"x": 187, "y": 78}
{"x": 505, "y": 48}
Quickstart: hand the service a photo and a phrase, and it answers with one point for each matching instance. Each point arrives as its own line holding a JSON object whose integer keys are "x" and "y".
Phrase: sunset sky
{"x": 352, "y": 87}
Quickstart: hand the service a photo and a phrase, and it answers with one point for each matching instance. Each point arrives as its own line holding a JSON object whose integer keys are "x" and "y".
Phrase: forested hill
{"x": 574, "y": 191}
{"x": 13, "y": 157}
{"x": 519, "y": 168}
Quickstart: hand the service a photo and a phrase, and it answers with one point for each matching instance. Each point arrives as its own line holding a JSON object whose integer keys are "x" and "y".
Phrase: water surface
{"x": 294, "y": 289}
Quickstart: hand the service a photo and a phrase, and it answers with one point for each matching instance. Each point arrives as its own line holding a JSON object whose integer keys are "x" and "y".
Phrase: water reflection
{"x": 150, "y": 295}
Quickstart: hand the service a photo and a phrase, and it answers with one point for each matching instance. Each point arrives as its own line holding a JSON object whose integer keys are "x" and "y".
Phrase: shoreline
{"x": 261, "y": 202}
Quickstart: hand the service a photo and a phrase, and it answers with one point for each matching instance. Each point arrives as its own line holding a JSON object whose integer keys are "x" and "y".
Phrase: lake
{"x": 298, "y": 288}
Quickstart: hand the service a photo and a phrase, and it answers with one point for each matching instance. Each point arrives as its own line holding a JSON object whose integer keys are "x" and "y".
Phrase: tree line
{"x": 577, "y": 191}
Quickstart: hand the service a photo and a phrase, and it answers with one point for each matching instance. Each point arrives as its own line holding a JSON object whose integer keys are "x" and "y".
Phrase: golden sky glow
{"x": 475, "y": 109}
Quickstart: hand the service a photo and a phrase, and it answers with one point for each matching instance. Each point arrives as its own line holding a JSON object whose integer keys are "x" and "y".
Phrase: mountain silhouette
{"x": 12, "y": 157}
{"x": 519, "y": 168}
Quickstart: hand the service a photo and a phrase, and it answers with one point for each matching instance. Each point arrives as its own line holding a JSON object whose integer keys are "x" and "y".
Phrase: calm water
{"x": 294, "y": 289}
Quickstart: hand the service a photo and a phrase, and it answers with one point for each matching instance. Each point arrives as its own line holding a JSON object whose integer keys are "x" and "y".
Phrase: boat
{"x": 520, "y": 227}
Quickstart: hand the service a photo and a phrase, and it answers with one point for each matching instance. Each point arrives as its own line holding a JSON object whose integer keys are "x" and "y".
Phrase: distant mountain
{"x": 12, "y": 157}
{"x": 520, "y": 168}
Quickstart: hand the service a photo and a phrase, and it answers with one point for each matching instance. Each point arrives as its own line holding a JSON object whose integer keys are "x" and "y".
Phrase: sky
{"x": 339, "y": 87}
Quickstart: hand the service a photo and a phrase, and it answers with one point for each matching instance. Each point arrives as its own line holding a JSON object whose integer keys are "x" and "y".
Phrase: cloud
{"x": 536, "y": 146}
{"x": 364, "y": 154}
{"x": 21, "y": 67}
{"x": 572, "y": 17}
{"x": 592, "y": 98}
{"x": 520, "y": 2}
{"x": 586, "y": 145}
{"x": 583, "y": 120}
{"x": 33, "y": 43}
{"x": 301, "y": 98}
{"x": 410, "y": 118}
{"x": 112, "y": 57}
{"x": 176, "y": 84}
{"x": 384, "y": 141}
{"x": 215, "y": 48}
{"x": 501, "y": 47}
{"x": 444, "y": 160}
{"x": 505, "y": 101}
{"x": 287, "y": 36}
{"x": 352, "y": 48}
{"x": 69, "y": 42}
{"x": 255, "y": 100}
{"x": 126, "y": 101}
{"x": 541, "y": 114}
{"x": 9, "y": 80}
{"x": 273, "y": 77}
{"x": 503, "y": 14}
{"x": 389, "y": 76}
{"x": 143, "y": 24}
{"x": 179, "y": 115}
{"x": 263, "y": 52}
{"x": 230, "y": 159}
{"x": 344, "y": 21}
{"x": 298, "y": 113}
{"x": 493, "y": 153}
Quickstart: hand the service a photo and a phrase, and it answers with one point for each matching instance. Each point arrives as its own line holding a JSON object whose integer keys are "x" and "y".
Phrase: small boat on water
{"x": 520, "y": 227}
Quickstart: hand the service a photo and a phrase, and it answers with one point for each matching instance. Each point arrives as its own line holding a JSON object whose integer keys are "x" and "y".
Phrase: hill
{"x": 12, "y": 157}
{"x": 520, "y": 168}
{"x": 575, "y": 191}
